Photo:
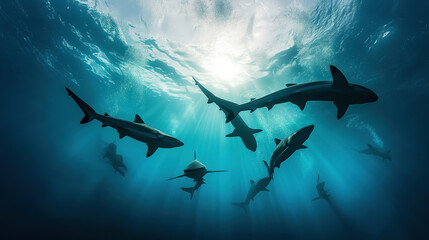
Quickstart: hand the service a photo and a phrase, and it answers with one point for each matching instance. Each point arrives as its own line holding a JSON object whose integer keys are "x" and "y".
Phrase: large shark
{"x": 138, "y": 130}
{"x": 255, "y": 188}
{"x": 195, "y": 170}
{"x": 320, "y": 187}
{"x": 115, "y": 160}
{"x": 340, "y": 92}
{"x": 371, "y": 150}
{"x": 286, "y": 147}
{"x": 240, "y": 127}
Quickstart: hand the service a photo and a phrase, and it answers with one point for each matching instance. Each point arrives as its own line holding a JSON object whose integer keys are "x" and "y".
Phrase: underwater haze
{"x": 139, "y": 57}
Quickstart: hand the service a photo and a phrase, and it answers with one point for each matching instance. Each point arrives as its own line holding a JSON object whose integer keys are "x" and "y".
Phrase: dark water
{"x": 55, "y": 184}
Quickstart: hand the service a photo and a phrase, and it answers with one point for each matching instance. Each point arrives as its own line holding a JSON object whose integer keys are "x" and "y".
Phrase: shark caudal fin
{"x": 87, "y": 110}
{"x": 190, "y": 190}
{"x": 242, "y": 205}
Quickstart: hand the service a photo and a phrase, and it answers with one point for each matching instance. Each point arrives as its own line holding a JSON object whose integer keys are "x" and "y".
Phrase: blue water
{"x": 115, "y": 56}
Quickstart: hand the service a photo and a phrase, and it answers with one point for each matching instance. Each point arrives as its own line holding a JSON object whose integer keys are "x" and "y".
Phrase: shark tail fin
{"x": 242, "y": 205}
{"x": 190, "y": 190}
{"x": 86, "y": 109}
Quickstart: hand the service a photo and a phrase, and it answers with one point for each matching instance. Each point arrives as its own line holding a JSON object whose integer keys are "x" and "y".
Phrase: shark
{"x": 286, "y": 147}
{"x": 371, "y": 150}
{"x": 339, "y": 91}
{"x": 240, "y": 127}
{"x": 136, "y": 129}
{"x": 321, "y": 190}
{"x": 115, "y": 160}
{"x": 255, "y": 188}
{"x": 195, "y": 170}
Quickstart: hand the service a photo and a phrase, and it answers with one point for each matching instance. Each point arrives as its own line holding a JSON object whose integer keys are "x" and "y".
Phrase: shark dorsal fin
{"x": 105, "y": 114}
{"x": 290, "y": 84}
{"x": 277, "y": 141}
{"x": 138, "y": 119}
{"x": 339, "y": 79}
{"x": 252, "y": 182}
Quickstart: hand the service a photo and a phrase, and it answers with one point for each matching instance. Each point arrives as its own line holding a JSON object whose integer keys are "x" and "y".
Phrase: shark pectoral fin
{"x": 233, "y": 134}
{"x": 316, "y": 198}
{"x": 138, "y": 119}
{"x": 176, "y": 177}
{"x": 341, "y": 109}
{"x": 299, "y": 103}
{"x": 270, "y": 106}
{"x": 339, "y": 79}
{"x": 255, "y": 130}
{"x": 302, "y": 147}
{"x": 277, "y": 141}
{"x": 151, "y": 149}
{"x": 252, "y": 182}
{"x": 121, "y": 134}
{"x": 266, "y": 190}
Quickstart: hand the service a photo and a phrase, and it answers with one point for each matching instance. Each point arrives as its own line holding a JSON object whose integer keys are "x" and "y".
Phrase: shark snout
{"x": 372, "y": 96}
{"x": 176, "y": 142}
{"x": 305, "y": 132}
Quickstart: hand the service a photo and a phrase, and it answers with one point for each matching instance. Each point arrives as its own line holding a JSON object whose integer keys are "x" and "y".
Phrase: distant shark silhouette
{"x": 138, "y": 129}
{"x": 195, "y": 170}
{"x": 321, "y": 190}
{"x": 255, "y": 188}
{"x": 115, "y": 160}
{"x": 340, "y": 92}
{"x": 240, "y": 127}
{"x": 286, "y": 147}
{"x": 371, "y": 150}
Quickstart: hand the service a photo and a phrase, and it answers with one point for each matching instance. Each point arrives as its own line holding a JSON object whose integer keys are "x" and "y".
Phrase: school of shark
{"x": 338, "y": 91}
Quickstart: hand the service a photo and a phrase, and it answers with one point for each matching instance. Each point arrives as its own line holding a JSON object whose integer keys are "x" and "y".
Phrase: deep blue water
{"x": 54, "y": 182}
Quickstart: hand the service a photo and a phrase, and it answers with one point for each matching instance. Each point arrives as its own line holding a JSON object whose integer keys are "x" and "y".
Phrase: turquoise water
{"x": 127, "y": 58}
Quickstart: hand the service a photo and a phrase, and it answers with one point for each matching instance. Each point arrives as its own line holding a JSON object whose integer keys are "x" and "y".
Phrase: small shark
{"x": 255, "y": 188}
{"x": 321, "y": 190}
{"x": 195, "y": 170}
{"x": 115, "y": 160}
{"x": 240, "y": 127}
{"x": 371, "y": 150}
{"x": 340, "y": 92}
{"x": 138, "y": 130}
{"x": 286, "y": 147}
